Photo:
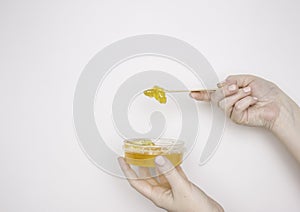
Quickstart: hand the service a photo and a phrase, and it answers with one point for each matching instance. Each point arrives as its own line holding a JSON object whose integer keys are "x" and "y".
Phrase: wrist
{"x": 285, "y": 125}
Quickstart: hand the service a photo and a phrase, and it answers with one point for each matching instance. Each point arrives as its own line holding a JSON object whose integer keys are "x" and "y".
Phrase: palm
{"x": 170, "y": 190}
{"x": 161, "y": 189}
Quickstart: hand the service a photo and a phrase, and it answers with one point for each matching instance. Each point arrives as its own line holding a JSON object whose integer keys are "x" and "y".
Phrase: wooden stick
{"x": 177, "y": 91}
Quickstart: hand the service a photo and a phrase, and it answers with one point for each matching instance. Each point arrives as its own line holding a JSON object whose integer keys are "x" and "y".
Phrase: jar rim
{"x": 162, "y": 145}
{"x": 156, "y": 141}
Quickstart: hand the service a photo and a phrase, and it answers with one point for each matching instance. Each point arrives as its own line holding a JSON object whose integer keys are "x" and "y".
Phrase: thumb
{"x": 176, "y": 181}
{"x": 203, "y": 95}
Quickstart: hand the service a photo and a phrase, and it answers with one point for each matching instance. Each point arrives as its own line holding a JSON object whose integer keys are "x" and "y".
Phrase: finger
{"x": 142, "y": 186}
{"x": 176, "y": 181}
{"x": 215, "y": 96}
{"x": 227, "y": 103}
{"x": 221, "y": 84}
{"x": 240, "y": 80}
{"x": 225, "y": 91}
{"x": 238, "y": 112}
{"x": 201, "y": 95}
{"x": 144, "y": 173}
{"x": 162, "y": 179}
{"x": 181, "y": 172}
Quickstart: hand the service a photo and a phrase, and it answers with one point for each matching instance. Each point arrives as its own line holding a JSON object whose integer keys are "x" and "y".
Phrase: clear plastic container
{"x": 142, "y": 152}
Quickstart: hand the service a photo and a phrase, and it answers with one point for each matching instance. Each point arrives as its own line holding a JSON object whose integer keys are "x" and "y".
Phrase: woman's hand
{"x": 253, "y": 101}
{"x": 247, "y": 100}
{"x": 172, "y": 190}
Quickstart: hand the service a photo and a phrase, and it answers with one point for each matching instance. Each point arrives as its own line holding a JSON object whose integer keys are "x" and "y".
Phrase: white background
{"x": 44, "y": 46}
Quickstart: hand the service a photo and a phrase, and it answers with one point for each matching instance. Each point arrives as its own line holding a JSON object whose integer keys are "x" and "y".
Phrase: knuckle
{"x": 220, "y": 104}
{"x": 233, "y": 116}
{"x": 236, "y": 120}
{"x": 238, "y": 106}
{"x": 229, "y": 111}
{"x": 229, "y": 77}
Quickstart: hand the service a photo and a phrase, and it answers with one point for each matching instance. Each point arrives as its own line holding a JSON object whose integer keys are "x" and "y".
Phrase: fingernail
{"x": 220, "y": 84}
{"x": 232, "y": 87}
{"x": 120, "y": 160}
{"x": 247, "y": 89}
{"x": 255, "y": 98}
{"x": 193, "y": 95}
{"x": 159, "y": 160}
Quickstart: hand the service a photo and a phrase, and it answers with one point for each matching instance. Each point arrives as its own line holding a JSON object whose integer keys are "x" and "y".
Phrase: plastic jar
{"x": 142, "y": 151}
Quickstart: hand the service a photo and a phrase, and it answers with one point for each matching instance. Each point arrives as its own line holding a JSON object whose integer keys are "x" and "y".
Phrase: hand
{"x": 253, "y": 101}
{"x": 247, "y": 100}
{"x": 172, "y": 190}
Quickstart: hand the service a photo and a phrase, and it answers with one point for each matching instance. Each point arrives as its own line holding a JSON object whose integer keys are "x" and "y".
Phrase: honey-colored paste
{"x": 158, "y": 93}
{"x": 143, "y": 152}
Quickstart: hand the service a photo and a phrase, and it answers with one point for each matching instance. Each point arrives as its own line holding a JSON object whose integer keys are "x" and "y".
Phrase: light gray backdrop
{"x": 44, "y": 46}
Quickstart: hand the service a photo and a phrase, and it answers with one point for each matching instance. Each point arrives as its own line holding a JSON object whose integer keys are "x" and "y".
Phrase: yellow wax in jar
{"x": 143, "y": 153}
{"x": 145, "y": 160}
